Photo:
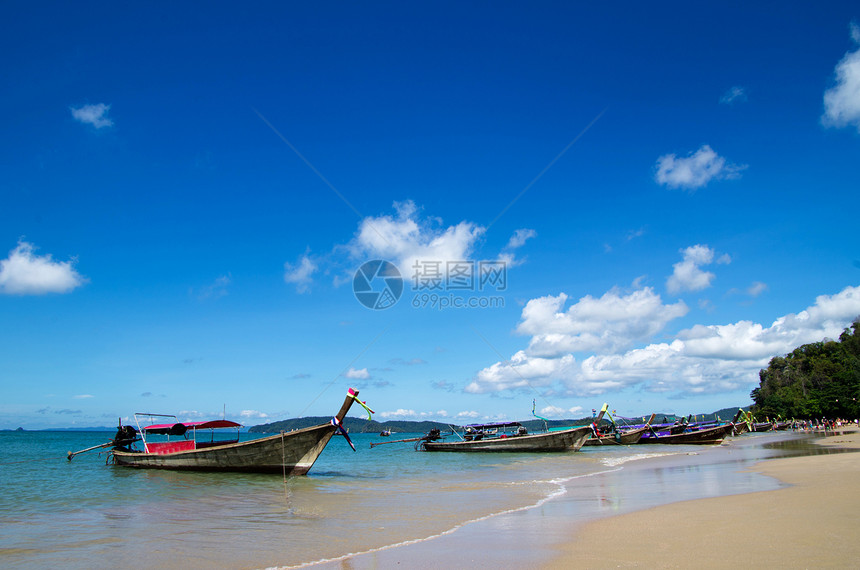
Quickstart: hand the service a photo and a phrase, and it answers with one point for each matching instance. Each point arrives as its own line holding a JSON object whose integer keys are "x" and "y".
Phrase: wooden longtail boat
{"x": 293, "y": 453}
{"x": 708, "y": 436}
{"x": 620, "y": 437}
{"x": 508, "y": 437}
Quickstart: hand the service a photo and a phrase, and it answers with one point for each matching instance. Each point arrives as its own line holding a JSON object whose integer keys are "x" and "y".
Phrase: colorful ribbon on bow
{"x": 337, "y": 424}
{"x": 360, "y": 403}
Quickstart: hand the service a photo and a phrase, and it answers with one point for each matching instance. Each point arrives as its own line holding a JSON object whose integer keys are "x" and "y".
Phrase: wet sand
{"x": 549, "y": 535}
{"x": 812, "y": 522}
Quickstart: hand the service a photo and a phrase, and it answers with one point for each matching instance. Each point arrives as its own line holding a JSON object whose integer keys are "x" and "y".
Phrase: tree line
{"x": 816, "y": 380}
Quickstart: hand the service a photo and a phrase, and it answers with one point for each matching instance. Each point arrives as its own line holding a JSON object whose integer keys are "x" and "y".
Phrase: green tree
{"x": 820, "y": 379}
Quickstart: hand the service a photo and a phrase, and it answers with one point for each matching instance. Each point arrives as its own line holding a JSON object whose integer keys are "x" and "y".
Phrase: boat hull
{"x": 293, "y": 452}
{"x": 566, "y": 440}
{"x": 710, "y": 436}
{"x": 626, "y": 438}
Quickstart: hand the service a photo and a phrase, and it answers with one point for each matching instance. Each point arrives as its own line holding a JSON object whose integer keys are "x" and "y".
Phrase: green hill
{"x": 359, "y": 425}
{"x": 816, "y": 380}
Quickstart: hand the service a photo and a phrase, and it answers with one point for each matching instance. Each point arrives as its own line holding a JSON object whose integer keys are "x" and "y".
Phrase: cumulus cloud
{"x": 842, "y": 100}
{"x": 702, "y": 359}
{"x": 25, "y": 273}
{"x": 608, "y": 323}
{"x": 423, "y": 248}
{"x": 95, "y": 115}
{"x": 301, "y": 273}
{"x": 688, "y": 275}
{"x": 357, "y": 374}
{"x": 406, "y": 239}
{"x": 521, "y": 372}
{"x": 695, "y": 170}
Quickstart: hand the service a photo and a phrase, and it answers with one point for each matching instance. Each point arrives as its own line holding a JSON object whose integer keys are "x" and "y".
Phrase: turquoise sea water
{"x": 85, "y": 514}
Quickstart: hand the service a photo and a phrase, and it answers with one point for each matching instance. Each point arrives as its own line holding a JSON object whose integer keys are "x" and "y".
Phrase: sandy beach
{"x": 812, "y": 522}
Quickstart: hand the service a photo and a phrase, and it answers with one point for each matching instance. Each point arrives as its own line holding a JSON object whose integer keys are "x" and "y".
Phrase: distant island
{"x": 360, "y": 425}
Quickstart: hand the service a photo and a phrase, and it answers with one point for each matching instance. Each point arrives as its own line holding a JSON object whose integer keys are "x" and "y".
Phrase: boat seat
{"x": 165, "y": 447}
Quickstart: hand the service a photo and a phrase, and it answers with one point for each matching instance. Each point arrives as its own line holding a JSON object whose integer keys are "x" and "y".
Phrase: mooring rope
{"x": 344, "y": 371}
{"x": 284, "y": 467}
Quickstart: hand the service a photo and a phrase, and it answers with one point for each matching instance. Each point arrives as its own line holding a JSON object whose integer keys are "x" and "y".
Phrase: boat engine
{"x": 125, "y": 436}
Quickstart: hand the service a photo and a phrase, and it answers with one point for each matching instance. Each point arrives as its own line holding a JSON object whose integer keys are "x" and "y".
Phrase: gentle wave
{"x": 614, "y": 461}
{"x": 559, "y": 491}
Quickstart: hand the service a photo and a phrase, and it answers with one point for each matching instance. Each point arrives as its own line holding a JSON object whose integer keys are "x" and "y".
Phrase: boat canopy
{"x": 180, "y": 428}
{"x": 493, "y": 426}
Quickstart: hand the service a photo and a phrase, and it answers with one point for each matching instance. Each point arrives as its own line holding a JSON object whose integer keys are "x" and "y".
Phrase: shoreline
{"x": 809, "y": 522}
{"x": 550, "y": 535}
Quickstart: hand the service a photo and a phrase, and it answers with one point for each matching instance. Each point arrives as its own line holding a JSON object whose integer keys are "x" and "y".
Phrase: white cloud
{"x": 470, "y": 415}
{"x": 83, "y": 396}
{"x": 687, "y": 275}
{"x": 24, "y": 273}
{"x": 560, "y": 412}
{"x": 301, "y": 273}
{"x": 421, "y": 248}
{"x": 215, "y": 290}
{"x": 611, "y": 322}
{"x": 842, "y": 101}
{"x": 402, "y": 413}
{"x": 95, "y": 115}
{"x": 700, "y": 360}
{"x": 695, "y": 170}
{"x": 520, "y": 372}
{"x": 253, "y": 415}
{"x": 357, "y": 374}
{"x": 398, "y": 414}
{"x": 520, "y": 237}
{"x": 735, "y": 94}
{"x": 189, "y": 415}
{"x": 406, "y": 239}
{"x": 756, "y": 289}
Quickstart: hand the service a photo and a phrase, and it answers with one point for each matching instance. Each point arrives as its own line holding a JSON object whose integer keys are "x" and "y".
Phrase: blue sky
{"x": 187, "y": 194}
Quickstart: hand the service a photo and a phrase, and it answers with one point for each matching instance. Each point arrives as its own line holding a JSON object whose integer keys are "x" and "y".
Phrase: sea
{"x": 355, "y": 509}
